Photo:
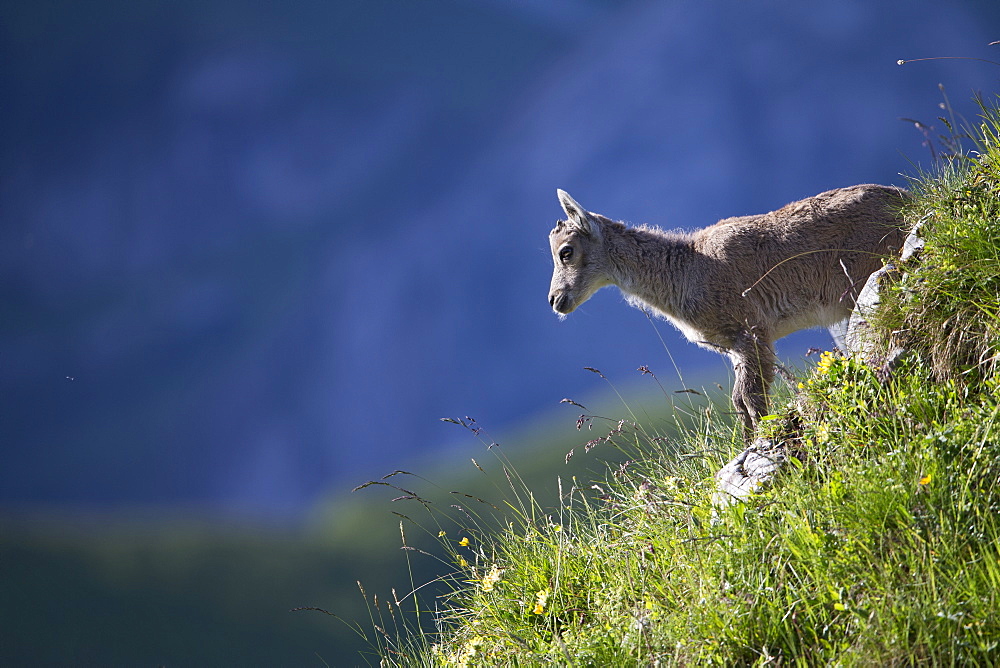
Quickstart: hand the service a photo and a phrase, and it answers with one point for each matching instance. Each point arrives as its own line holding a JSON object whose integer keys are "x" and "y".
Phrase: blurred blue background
{"x": 251, "y": 252}
{"x": 254, "y": 250}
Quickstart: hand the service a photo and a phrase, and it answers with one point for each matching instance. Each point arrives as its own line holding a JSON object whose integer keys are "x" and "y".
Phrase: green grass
{"x": 878, "y": 546}
{"x": 947, "y": 306}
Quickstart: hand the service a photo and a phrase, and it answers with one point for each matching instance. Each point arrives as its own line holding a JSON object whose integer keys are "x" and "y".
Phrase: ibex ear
{"x": 577, "y": 216}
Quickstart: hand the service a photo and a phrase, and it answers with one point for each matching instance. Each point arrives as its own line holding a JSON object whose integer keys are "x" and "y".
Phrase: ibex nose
{"x": 558, "y": 301}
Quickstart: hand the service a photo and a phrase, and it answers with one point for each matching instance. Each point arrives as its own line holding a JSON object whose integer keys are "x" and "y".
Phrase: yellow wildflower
{"x": 492, "y": 578}
{"x": 926, "y": 480}
{"x": 822, "y": 432}
{"x": 541, "y": 601}
{"x": 826, "y": 359}
{"x": 464, "y": 542}
{"x": 470, "y": 651}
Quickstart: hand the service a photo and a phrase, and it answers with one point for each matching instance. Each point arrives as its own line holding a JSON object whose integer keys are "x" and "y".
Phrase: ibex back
{"x": 741, "y": 284}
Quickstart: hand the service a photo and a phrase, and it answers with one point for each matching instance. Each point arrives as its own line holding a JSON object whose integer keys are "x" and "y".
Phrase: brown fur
{"x": 741, "y": 284}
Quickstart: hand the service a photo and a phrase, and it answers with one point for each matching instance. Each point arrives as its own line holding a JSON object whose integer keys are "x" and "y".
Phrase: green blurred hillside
{"x": 162, "y": 589}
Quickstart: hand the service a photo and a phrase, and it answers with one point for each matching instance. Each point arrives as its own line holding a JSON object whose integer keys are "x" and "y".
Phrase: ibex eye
{"x": 565, "y": 253}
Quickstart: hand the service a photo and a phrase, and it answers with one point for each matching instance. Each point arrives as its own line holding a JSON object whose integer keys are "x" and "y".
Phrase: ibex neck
{"x": 650, "y": 267}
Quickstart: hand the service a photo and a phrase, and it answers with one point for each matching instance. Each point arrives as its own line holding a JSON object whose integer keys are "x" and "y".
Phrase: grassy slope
{"x": 880, "y": 548}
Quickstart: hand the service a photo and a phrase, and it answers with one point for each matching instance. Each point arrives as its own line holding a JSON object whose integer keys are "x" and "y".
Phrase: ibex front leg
{"x": 753, "y": 360}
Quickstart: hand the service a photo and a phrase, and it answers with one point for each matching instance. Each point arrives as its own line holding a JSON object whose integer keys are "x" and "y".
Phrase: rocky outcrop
{"x": 750, "y": 471}
{"x": 857, "y": 339}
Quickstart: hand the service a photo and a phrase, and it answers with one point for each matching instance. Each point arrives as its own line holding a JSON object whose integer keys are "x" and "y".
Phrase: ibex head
{"x": 579, "y": 256}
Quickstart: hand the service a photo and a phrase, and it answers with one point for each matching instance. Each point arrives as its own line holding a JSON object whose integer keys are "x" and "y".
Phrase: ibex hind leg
{"x": 754, "y": 362}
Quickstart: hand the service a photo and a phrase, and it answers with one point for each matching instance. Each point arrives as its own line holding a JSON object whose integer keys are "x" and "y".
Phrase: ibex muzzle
{"x": 741, "y": 284}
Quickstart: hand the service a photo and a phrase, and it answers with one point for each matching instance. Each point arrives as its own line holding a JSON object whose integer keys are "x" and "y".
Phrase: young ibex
{"x": 741, "y": 284}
